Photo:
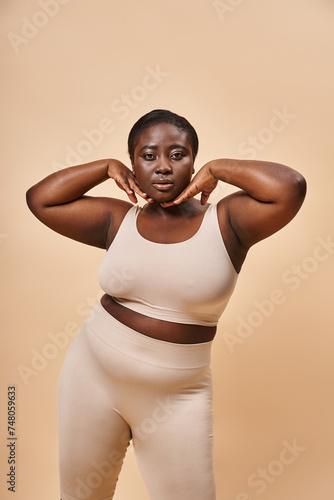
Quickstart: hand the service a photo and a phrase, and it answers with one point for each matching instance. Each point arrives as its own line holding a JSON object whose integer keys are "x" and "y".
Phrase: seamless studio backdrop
{"x": 256, "y": 81}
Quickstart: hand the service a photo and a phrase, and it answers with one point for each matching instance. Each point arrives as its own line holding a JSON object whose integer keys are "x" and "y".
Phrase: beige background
{"x": 230, "y": 69}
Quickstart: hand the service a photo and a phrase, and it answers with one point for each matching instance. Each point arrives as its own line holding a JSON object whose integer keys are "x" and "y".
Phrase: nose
{"x": 163, "y": 167}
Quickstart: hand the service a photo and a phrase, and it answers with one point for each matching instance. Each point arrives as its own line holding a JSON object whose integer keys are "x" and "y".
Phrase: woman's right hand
{"x": 125, "y": 180}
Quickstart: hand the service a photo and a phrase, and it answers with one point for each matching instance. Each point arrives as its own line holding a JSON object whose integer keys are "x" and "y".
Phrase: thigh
{"x": 174, "y": 444}
{"x": 93, "y": 436}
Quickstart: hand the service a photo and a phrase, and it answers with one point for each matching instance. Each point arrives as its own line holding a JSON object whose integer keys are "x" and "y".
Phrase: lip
{"x": 163, "y": 184}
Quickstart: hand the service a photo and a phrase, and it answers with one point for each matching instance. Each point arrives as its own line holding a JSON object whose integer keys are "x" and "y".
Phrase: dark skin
{"x": 270, "y": 196}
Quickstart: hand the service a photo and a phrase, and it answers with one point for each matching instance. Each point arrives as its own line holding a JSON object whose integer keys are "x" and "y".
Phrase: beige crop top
{"x": 188, "y": 282}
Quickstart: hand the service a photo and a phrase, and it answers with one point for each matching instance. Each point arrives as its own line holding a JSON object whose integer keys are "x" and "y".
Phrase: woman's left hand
{"x": 203, "y": 182}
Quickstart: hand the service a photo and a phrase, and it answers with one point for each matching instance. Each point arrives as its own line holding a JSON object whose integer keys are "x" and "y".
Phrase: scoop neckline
{"x": 138, "y": 210}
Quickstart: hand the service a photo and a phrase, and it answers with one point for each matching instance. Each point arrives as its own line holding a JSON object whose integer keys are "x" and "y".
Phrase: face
{"x": 163, "y": 161}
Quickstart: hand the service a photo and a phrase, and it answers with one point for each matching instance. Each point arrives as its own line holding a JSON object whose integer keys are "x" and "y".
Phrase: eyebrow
{"x": 148, "y": 146}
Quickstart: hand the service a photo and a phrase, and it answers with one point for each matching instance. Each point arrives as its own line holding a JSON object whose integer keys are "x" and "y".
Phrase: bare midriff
{"x": 156, "y": 328}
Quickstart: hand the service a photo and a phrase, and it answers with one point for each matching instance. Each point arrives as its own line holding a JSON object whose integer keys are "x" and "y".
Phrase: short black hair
{"x": 156, "y": 117}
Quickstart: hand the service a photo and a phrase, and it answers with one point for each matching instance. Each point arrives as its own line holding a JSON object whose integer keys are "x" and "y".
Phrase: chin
{"x": 162, "y": 199}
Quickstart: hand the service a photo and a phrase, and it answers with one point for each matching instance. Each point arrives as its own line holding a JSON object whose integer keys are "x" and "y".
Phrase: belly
{"x": 158, "y": 329}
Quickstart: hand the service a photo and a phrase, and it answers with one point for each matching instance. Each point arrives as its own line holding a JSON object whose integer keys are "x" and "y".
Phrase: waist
{"x": 158, "y": 329}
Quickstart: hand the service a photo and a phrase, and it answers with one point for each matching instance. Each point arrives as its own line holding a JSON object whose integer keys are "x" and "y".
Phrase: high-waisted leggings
{"x": 116, "y": 385}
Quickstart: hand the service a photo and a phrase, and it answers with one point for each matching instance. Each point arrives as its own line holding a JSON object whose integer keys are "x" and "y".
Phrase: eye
{"x": 177, "y": 155}
{"x": 148, "y": 156}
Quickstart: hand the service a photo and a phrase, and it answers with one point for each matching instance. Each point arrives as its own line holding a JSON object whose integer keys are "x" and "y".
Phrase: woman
{"x": 139, "y": 368}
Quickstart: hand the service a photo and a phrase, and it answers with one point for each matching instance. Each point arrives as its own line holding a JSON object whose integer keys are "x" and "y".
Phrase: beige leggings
{"x": 116, "y": 385}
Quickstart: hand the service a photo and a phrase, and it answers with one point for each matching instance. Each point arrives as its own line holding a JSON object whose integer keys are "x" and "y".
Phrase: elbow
{"x": 299, "y": 187}
{"x": 294, "y": 191}
{"x": 32, "y": 201}
{"x": 30, "y": 198}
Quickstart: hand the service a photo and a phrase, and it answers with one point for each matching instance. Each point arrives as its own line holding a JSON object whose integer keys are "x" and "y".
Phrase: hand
{"x": 203, "y": 182}
{"x": 125, "y": 180}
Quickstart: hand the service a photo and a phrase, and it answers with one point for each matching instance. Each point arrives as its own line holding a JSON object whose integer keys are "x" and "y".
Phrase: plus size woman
{"x": 139, "y": 368}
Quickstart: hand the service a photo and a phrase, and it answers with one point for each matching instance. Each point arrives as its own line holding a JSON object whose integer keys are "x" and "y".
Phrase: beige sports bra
{"x": 188, "y": 282}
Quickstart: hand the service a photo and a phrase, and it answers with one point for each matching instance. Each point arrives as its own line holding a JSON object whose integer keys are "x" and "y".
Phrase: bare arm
{"x": 271, "y": 195}
{"x": 59, "y": 200}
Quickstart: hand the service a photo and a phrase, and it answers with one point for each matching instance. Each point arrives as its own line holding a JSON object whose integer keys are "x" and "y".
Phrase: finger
{"x": 125, "y": 187}
{"x": 204, "y": 197}
{"x": 176, "y": 201}
{"x": 135, "y": 188}
{"x": 189, "y": 192}
{"x": 130, "y": 186}
{"x": 132, "y": 196}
